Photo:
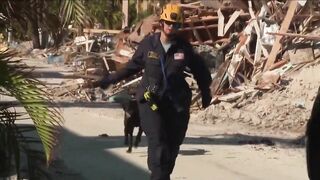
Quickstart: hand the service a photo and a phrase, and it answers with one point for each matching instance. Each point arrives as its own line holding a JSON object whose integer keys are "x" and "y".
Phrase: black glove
{"x": 103, "y": 83}
{"x": 206, "y": 99}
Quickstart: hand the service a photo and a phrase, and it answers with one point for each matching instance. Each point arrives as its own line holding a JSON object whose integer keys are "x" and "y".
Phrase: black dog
{"x": 313, "y": 141}
{"x": 131, "y": 120}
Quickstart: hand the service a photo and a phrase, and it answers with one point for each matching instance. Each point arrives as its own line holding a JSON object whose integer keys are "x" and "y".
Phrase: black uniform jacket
{"x": 148, "y": 57}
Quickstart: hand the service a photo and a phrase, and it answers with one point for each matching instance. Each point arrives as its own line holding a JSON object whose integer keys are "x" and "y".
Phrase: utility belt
{"x": 153, "y": 98}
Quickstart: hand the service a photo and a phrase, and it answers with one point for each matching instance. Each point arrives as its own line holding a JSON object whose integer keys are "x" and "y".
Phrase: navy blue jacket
{"x": 179, "y": 56}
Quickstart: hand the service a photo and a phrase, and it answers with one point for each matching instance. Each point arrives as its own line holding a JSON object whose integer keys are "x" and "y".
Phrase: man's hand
{"x": 90, "y": 84}
{"x": 103, "y": 83}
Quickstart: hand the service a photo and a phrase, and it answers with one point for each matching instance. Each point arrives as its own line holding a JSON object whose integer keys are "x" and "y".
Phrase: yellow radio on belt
{"x": 150, "y": 99}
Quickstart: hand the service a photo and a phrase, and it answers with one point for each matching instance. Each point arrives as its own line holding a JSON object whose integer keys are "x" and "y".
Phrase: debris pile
{"x": 249, "y": 46}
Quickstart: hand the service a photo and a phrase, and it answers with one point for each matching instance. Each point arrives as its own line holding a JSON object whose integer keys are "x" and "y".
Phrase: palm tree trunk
{"x": 34, "y": 25}
{"x": 35, "y": 34}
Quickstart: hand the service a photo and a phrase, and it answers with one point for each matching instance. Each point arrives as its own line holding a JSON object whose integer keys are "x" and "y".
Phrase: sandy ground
{"x": 227, "y": 150}
{"x": 208, "y": 152}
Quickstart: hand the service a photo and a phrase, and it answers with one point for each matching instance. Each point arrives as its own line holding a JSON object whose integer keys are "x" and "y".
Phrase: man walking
{"x": 164, "y": 96}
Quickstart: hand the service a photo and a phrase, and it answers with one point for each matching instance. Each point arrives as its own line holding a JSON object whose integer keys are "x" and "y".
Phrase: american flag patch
{"x": 178, "y": 56}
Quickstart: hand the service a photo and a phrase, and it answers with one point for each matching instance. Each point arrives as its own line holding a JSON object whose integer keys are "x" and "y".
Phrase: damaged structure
{"x": 248, "y": 45}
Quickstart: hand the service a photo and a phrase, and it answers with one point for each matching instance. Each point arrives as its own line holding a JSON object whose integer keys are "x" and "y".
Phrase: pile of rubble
{"x": 249, "y": 46}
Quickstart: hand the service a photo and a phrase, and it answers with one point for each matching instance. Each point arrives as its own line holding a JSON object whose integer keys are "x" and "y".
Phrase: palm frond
{"x": 72, "y": 10}
{"x": 33, "y": 96}
{"x": 9, "y": 147}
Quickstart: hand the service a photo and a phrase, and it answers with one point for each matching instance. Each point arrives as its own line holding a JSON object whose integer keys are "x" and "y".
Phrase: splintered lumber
{"x": 284, "y": 28}
{"x": 195, "y": 32}
{"x": 98, "y": 31}
{"x": 198, "y": 27}
{"x": 220, "y": 23}
{"x": 220, "y": 77}
{"x": 194, "y": 3}
{"x": 189, "y": 6}
{"x": 309, "y": 37}
{"x": 257, "y": 54}
{"x": 232, "y": 19}
{"x": 132, "y": 82}
{"x": 231, "y": 97}
{"x": 198, "y": 19}
{"x": 278, "y": 64}
{"x": 212, "y": 18}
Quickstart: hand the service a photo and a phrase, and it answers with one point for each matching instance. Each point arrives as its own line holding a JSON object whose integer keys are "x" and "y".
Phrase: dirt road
{"x": 208, "y": 152}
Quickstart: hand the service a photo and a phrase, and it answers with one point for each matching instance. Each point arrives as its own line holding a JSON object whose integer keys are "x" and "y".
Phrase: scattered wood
{"x": 244, "y": 44}
{"x": 220, "y": 23}
{"x": 232, "y": 19}
{"x": 308, "y": 37}
{"x": 97, "y": 31}
{"x": 231, "y": 97}
{"x": 284, "y": 28}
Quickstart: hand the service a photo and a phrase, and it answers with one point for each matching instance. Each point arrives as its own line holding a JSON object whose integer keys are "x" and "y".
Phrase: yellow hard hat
{"x": 172, "y": 12}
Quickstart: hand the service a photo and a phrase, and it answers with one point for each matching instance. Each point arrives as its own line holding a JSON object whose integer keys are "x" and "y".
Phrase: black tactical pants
{"x": 165, "y": 130}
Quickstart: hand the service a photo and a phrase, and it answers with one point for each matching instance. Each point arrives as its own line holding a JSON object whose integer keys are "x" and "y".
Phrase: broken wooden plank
{"x": 278, "y": 64}
{"x": 309, "y": 37}
{"x": 220, "y": 23}
{"x": 132, "y": 82}
{"x": 232, "y": 19}
{"x": 198, "y": 27}
{"x": 98, "y": 31}
{"x": 195, "y": 3}
{"x": 198, "y": 19}
{"x": 220, "y": 77}
{"x": 257, "y": 54}
{"x": 208, "y": 31}
{"x": 189, "y": 6}
{"x": 212, "y": 18}
{"x": 234, "y": 96}
{"x": 194, "y": 31}
{"x": 284, "y": 28}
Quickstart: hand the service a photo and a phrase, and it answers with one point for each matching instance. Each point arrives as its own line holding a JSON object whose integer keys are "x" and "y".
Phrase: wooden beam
{"x": 195, "y": 32}
{"x": 208, "y": 31}
{"x": 195, "y": 3}
{"x": 284, "y": 28}
{"x": 198, "y": 27}
{"x": 189, "y": 6}
{"x": 309, "y": 37}
{"x": 98, "y": 31}
{"x": 220, "y": 23}
{"x": 211, "y": 18}
{"x": 232, "y": 19}
{"x": 256, "y": 26}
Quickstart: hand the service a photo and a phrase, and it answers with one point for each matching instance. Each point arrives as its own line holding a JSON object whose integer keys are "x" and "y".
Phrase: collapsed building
{"x": 248, "y": 45}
